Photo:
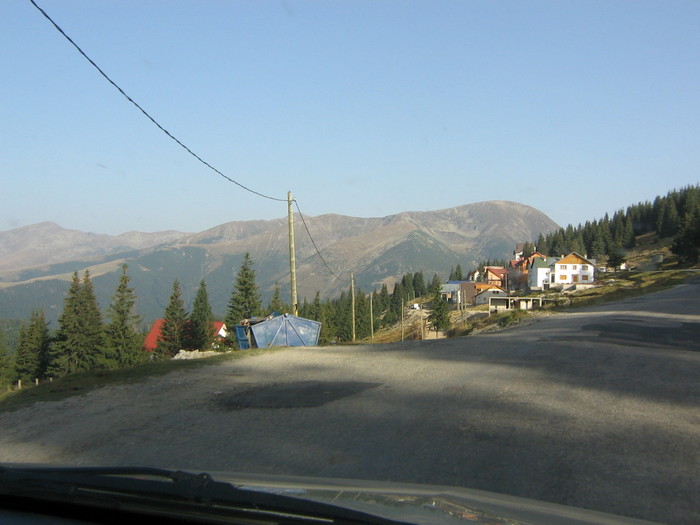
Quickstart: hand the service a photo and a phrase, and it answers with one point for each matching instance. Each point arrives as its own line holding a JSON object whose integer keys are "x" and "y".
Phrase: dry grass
{"x": 82, "y": 383}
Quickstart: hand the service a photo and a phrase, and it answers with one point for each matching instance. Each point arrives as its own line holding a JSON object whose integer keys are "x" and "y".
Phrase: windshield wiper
{"x": 169, "y": 493}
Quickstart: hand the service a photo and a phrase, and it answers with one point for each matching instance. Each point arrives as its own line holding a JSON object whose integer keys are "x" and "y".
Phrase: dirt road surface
{"x": 597, "y": 408}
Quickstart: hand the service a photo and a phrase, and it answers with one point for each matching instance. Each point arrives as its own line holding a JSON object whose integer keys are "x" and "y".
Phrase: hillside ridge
{"x": 37, "y": 259}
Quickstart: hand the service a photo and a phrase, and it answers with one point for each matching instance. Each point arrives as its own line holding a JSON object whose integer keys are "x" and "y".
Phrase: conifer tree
{"x": 26, "y": 362}
{"x": 528, "y": 249}
{"x": 343, "y": 317}
{"x": 439, "y": 318}
{"x": 435, "y": 285}
{"x": 407, "y": 284}
{"x": 686, "y": 244}
{"x": 303, "y": 309}
{"x": 542, "y": 244}
{"x": 328, "y": 323}
{"x": 419, "y": 284}
{"x": 276, "y": 303}
{"x": 315, "y": 310}
{"x": 32, "y": 349}
{"x": 7, "y": 363}
{"x": 245, "y": 299}
{"x": 172, "y": 332}
{"x": 92, "y": 325}
{"x": 383, "y": 298}
{"x": 80, "y": 336}
{"x": 200, "y": 334}
{"x": 396, "y": 303}
{"x": 362, "y": 322}
{"x": 123, "y": 342}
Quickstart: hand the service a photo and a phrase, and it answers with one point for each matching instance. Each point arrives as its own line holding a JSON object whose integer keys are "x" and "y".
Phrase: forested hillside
{"x": 675, "y": 215}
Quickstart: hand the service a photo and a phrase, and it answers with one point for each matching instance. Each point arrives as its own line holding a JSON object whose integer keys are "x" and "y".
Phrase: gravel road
{"x": 597, "y": 408}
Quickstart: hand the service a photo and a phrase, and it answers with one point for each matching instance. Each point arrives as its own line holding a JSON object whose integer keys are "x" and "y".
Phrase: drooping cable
{"x": 314, "y": 242}
{"x": 153, "y": 120}
{"x": 180, "y": 143}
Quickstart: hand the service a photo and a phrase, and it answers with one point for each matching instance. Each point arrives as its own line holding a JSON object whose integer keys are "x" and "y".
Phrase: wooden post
{"x": 292, "y": 256}
{"x": 352, "y": 294}
{"x": 371, "y": 319}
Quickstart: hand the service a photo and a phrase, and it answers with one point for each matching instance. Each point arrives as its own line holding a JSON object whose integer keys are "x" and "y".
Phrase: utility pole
{"x": 352, "y": 295}
{"x": 292, "y": 256}
{"x": 371, "y": 319}
{"x": 402, "y": 309}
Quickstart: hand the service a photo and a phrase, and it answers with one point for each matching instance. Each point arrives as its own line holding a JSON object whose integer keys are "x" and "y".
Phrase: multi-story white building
{"x": 538, "y": 272}
{"x": 572, "y": 269}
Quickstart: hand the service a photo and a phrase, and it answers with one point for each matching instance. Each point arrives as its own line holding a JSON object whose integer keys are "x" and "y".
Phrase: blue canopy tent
{"x": 286, "y": 330}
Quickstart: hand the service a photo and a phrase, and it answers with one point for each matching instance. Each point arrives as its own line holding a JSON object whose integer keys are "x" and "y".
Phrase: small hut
{"x": 286, "y": 330}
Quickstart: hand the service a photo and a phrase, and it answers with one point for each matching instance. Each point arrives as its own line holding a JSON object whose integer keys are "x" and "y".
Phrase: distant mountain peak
{"x": 377, "y": 250}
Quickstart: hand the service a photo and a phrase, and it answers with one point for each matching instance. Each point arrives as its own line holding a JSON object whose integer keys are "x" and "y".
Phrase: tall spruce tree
{"x": 93, "y": 327}
{"x": 245, "y": 299}
{"x": 419, "y": 284}
{"x": 343, "y": 317}
{"x": 276, "y": 303}
{"x": 172, "y": 333}
{"x": 80, "y": 337}
{"x": 362, "y": 320}
{"x": 328, "y": 323}
{"x": 200, "y": 334}
{"x": 315, "y": 311}
{"x": 33, "y": 347}
{"x": 439, "y": 318}
{"x": 7, "y": 363}
{"x": 435, "y": 285}
{"x": 123, "y": 342}
{"x": 686, "y": 244}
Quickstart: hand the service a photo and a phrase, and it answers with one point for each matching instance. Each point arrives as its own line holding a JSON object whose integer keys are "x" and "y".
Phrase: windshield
{"x": 452, "y": 245}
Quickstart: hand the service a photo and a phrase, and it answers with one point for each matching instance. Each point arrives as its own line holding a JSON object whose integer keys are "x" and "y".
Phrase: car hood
{"x": 421, "y": 504}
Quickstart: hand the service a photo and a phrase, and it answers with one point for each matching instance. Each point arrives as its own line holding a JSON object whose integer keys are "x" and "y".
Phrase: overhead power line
{"x": 314, "y": 242}
{"x": 200, "y": 159}
{"x": 180, "y": 143}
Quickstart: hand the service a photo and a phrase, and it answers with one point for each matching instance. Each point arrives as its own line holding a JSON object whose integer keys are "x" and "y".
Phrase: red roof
{"x": 217, "y": 326}
{"x": 152, "y": 338}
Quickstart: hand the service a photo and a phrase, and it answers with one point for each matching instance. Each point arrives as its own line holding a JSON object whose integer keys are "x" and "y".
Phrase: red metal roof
{"x": 152, "y": 338}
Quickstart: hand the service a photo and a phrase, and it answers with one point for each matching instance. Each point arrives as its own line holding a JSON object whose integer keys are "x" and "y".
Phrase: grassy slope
{"x": 82, "y": 383}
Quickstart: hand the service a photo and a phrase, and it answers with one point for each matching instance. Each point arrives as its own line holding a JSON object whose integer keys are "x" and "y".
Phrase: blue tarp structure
{"x": 286, "y": 330}
{"x": 242, "y": 337}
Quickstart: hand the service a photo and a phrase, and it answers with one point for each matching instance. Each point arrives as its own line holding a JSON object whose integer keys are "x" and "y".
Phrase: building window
{"x": 584, "y": 277}
{"x": 584, "y": 267}
{"x": 562, "y": 277}
{"x": 573, "y": 267}
{"x": 562, "y": 266}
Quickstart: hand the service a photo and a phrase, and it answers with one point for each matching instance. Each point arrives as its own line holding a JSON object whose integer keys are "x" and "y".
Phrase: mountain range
{"x": 37, "y": 261}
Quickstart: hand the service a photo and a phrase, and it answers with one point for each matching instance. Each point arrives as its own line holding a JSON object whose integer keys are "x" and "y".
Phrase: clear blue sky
{"x": 360, "y": 107}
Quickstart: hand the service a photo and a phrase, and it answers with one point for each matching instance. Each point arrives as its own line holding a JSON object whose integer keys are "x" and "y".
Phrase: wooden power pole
{"x": 371, "y": 319}
{"x": 292, "y": 256}
{"x": 352, "y": 294}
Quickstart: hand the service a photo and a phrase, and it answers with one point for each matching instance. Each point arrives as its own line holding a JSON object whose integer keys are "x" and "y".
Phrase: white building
{"x": 572, "y": 269}
{"x": 485, "y": 296}
{"x": 538, "y": 272}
